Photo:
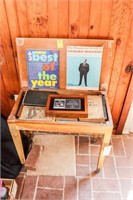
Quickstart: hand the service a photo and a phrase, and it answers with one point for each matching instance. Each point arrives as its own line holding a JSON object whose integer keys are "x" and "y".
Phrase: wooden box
{"x": 71, "y": 106}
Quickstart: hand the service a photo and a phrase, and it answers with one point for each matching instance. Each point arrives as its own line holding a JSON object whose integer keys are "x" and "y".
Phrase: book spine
{"x": 104, "y": 107}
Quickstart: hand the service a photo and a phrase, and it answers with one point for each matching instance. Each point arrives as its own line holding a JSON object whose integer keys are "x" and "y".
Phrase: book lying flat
{"x": 63, "y": 119}
{"x": 34, "y": 113}
{"x": 96, "y": 109}
{"x": 36, "y": 98}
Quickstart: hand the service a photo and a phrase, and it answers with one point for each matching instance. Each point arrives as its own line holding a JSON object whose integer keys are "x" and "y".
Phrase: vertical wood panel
{"x": 121, "y": 42}
{"x": 74, "y": 18}
{"x": 95, "y": 18}
{"x": 123, "y": 80}
{"x": 116, "y": 18}
{"x": 12, "y": 22}
{"x": 84, "y": 15}
{"x": 53, "y": 18}
{"x": 37, "y": 13}
{"x": 125, "y": 111}
{"x": 22, "y": 18}
{"x": 63, "y": 30}
{"x": 105, "y": 18}
{"x": 107, "y": 62}
{"x": 8, "y": 51}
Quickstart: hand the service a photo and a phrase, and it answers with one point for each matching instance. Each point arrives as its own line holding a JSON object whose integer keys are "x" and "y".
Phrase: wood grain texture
{"x": 74, "y": 18}
{"x": 63, "y": 17}
{"x": 84, "y": 15}
{"x": 7, "y": 48}
{"x": 106, "y": 13}
{"x": 107, "y": 63}
{"x": 124, "y": 79}
{"x": 116, "y": 18}
{"x": 22, "y": 18}
{"x": 37, "y": 14}
{"x": 121, "y": 42}
{"x": 17, "y": 141}
{"x": 11, "y": 13}
{"x": 95, "y": 18}
{"x": 126, "y": 107}
{"x": 53, "y": 18}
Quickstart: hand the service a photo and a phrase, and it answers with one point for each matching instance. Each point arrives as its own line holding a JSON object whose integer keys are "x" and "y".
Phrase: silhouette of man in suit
{"x": 83, "y": 69}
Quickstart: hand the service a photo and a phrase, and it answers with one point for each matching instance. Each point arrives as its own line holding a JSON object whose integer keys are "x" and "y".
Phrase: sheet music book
{"x": 83, "y": 67}
{"x": 96, "y": 109}
{"x": 43, "y": 68}
{"x": 34, "y": 113}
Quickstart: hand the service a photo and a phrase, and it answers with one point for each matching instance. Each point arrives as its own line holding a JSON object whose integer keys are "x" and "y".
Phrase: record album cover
{"x": 83, "y": 67}
{"x": 42, "y": 66}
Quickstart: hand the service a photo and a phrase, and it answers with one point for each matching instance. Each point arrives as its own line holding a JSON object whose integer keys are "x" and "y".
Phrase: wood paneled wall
{"x": 98, "y": 19}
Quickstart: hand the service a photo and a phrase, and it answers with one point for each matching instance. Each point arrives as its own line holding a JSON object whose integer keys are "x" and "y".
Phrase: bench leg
{"x": 105, "y": 143}
{"x": 17, "y": 142}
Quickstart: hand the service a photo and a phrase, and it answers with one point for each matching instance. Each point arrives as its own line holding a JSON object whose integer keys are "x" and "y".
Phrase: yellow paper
{"x": 59, "y": 44}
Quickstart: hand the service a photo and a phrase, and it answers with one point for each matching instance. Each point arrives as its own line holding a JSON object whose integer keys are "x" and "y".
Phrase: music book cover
{"x": 43, "y": 68}
{"x": 83, "y": 67}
